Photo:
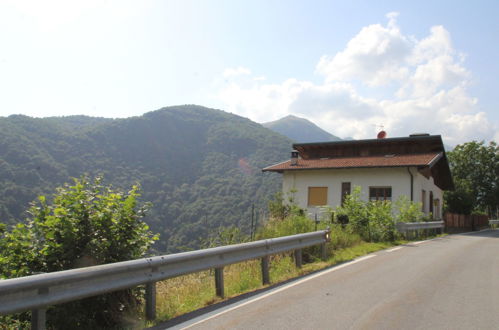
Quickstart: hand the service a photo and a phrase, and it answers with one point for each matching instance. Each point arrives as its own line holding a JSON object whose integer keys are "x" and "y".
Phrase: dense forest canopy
{"x": 200, "y": 167}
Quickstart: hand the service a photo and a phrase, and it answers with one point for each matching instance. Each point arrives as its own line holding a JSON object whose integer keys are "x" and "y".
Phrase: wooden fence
{"x": 461, "y": 222}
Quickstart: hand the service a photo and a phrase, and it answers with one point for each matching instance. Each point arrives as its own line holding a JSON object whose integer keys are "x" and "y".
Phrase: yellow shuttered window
{"x": 317, "y": 196}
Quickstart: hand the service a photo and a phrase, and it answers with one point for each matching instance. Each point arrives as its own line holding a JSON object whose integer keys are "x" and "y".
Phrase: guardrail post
{"x": 219, "y": 282}
{"x": 265, "y": 270}
{"x": 323, "y": 252}
{"x": 298, "y": 258}
{"x": 38, "y": 319}
{"x": 39, "y": 315}
{"x": 151, "y": 300}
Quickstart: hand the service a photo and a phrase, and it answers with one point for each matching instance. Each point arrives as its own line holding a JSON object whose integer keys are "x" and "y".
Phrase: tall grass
{"x": 369, "y": 221}
{"x": 183, "y": 294}
{"x": 190, "y": 292}
{"x": 187, "y": 293}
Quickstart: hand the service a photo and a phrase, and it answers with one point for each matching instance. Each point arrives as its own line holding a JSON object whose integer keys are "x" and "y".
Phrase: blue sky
{"x": 347, "y": 66}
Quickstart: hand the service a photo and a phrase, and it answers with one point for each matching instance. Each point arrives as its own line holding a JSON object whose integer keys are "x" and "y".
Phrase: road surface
{"x": 446, "y": 283}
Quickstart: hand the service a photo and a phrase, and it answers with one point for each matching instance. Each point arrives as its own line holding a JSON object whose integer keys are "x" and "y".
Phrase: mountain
{"x": 200, "y": 167}
{"x": 300, "y": 130}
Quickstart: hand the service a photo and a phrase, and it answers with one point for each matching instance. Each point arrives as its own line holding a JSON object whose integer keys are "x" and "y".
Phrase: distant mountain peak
{"x": 292, "y": 117}
{"x": 300, "y": 129}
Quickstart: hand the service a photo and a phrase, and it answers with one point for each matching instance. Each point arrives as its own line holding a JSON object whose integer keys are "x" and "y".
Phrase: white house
{"x": 322, "y": 173}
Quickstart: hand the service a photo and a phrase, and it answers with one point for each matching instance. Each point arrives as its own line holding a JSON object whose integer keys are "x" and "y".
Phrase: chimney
{"x": 294, "y": 157}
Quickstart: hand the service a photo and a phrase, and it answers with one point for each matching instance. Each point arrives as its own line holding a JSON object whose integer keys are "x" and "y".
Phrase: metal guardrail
{"x": 38, "y": 291}
{"x": 493, "y": 222}
{"x": 407, "y": 227}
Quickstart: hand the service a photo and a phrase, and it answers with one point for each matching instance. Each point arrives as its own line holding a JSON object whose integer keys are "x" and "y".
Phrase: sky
{"x": 351, "y": 67}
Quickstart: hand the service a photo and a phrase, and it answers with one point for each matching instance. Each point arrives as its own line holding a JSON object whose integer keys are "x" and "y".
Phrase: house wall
{"x": 396, "y": 178}
{"x": 422, "y": 183}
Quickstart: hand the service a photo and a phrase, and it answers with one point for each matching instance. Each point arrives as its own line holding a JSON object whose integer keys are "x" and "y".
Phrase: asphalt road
{"x": 446, "y": 283}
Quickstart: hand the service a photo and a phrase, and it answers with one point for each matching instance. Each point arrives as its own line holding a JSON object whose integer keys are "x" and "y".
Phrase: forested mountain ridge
{"x": 300, "y": 130}
{"x": 201, "y": 168}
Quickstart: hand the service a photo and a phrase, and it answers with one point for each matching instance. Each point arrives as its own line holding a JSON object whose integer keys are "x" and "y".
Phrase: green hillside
{"x": 199, "y": 167}
{"x": 300, "y": 130}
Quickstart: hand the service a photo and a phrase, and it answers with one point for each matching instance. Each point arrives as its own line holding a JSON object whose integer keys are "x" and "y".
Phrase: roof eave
{"x": 269, "y": 169}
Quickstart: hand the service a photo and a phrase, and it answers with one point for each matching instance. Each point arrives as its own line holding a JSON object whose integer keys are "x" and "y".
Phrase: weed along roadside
{"x": 188, "y": 293}
{"x": 185, "y": 294}
{"x": 370, "y": 227}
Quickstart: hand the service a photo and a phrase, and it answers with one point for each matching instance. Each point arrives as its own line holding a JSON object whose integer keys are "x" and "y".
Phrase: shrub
{"x": 381, "y": 226}
{"x": 408, "y": 211}
{"x": 86, "y": 224}
{"x": 375, "y": 220}
{"x": 355, "y": 209}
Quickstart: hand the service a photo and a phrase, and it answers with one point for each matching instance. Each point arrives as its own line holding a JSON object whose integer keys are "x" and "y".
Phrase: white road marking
{"x": 284, "y": 288}
{"x": 473, "y": 232}
{"x": 395, "y": 249}
{"x": 426, "y": 240}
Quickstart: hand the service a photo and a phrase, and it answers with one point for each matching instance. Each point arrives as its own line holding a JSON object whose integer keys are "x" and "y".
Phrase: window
{"x": 423, "y": 201}
{"x": 345, "y": 190}
{"x": 380, "y": 193}
{"x": 317, "y": 196}
{"x": 431, "y": 202}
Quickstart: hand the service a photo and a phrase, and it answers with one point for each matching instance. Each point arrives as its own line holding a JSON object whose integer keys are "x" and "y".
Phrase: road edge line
{"x": 287, "y": 286}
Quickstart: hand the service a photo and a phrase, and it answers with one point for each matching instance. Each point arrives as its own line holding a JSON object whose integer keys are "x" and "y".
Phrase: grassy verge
{"x": 187, "y": 293}
{"x": 184, "y": 294}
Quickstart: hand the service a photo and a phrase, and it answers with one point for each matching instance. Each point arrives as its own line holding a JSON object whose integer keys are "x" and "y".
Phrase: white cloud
{"x": 231, "y": 72}
{"x": 374, "y": 56}
{"x": 426, "y": 78}
{"x": 438, "y": 43}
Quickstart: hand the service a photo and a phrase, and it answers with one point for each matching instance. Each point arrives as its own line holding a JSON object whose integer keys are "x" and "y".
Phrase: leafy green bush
{"x": 408, "y": 211}
{"x": 354, "y": 208}
{"x": 381, "y": 225}
{"x": 375, "y": 220}
{"x": 86, "y": 224}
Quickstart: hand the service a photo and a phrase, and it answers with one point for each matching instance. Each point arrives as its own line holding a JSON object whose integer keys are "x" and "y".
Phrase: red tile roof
{"x": 426, "y": 159}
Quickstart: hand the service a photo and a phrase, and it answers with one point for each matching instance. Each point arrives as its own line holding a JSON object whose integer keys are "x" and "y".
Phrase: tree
{"x": 86, "y": 224}
{"x": 475, "y": 170}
